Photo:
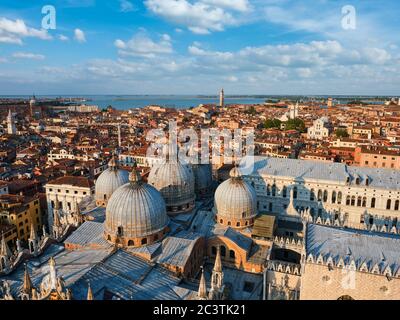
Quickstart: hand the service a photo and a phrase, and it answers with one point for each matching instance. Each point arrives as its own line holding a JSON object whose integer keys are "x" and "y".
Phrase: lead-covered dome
{"x": 175, "y": 181}
{"x": 135, "y": 214}
{"x": 235, "y": 202}
{"x": 109, "y": 181}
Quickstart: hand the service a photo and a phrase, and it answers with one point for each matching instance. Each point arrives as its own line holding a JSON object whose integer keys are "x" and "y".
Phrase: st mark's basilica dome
{"x": 135, "y": 214}
{"x": 235, "y": 202}
{"x": 176, "y": 182}
{"x": 109, "y": 181}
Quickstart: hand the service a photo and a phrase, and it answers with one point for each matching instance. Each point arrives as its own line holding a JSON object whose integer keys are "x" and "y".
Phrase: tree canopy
{"x": 272, "y": 123}
{"x": 341, "y": 133}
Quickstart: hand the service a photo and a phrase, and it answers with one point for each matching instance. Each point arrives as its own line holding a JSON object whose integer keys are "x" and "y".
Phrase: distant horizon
{"x": 205, "y": 95}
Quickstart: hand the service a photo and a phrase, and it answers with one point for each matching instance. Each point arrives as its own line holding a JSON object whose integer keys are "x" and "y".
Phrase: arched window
{"x": 388, "y": 204}
{"x": 358, "y": 181}
{"x": 359, "y": 202}
{"x": 371, "y": 220}
{"x": 373, "y": 200}
{"x": 229, "y": 223}
{"x": 364, "y": 202}
{"x": 284, "y": 192}
{"x": 231, "y": 254}
{"x": 274, "y": 190}
{"x": 325, "y": 196}
{"x": 144, "y": 241}
{"x": 347, "y": 200}
{"x": 339, "y": 197}
{"x": 131, "y": 243}
{"x": 237, "y": 224}
{"x": 268, "y": 190}
{"x": 119, "y": 231}
{"x": 345, "y": 297}
{"x": 295, "y": 192}
{"x": 312, "y": 195}
{"x": 109, "y": 238}
{"x": 334, "y": 197}
{"x": 221, "y": 221}
{"x": 223, "y": 251}
{"x": 353, "y": 201}
{"x": 213, "y": 250}
{"x": 396, "y": 205}
{"x": 319, "y": 195}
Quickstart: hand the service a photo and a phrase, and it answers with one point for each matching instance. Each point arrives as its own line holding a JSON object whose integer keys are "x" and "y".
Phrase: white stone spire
{"x": 5, "y": 255}
{"x": 53, "y": 274}
{"x": 4, "y": 249}
{"x": 33, "y": 241}
{"x": 202, "y": 293}
{"x": 217, "y": 274}
{"x": 10, "y": 123}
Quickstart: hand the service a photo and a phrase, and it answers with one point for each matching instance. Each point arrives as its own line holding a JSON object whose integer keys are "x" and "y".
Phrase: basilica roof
{"x": 358, "y": 245}
{"x": 303, "y": 170}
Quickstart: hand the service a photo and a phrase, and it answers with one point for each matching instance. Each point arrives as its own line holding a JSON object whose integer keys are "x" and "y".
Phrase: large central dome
{"x": 235, "y": 202}
{"x": 175, "y": 181}
{"x": 109, "y": 181}
{"x": 135, "y": 214}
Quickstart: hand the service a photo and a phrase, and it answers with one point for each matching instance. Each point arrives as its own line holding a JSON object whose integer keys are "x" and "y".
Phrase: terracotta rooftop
{"x": 82, "y": 182}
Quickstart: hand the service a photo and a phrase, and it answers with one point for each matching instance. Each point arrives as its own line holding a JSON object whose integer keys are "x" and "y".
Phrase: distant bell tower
{"x": 222, "y": 98}
{"x": 10, "y": 123}
{"x": 32, "y": 103}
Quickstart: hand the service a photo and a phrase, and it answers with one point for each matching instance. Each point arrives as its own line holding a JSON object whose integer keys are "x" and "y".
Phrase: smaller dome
{"x": 235, "y": 201}
{"x": 175, "y": 181}
{"x": 109, "y": 181}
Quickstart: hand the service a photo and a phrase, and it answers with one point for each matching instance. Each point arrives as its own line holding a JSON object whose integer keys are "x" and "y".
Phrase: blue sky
{"x": 199, "y": 46}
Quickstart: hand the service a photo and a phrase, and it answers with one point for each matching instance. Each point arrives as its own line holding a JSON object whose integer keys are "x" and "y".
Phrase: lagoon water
{"x": 128, "y": 102}
{"x": 124, "y": 102}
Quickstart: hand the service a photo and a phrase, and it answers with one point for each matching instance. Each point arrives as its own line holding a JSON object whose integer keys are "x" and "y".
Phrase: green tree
{"x": 341, "y": 133}
{"x": 295, "y": 124}
{"x": 252, "y": 111}
{"x": 272, "y": 123}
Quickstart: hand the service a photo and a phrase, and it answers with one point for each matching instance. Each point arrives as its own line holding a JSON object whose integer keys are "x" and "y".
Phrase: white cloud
{"x": 13, "y": 31}
{"x": 63, "y": 37}
{"x": 238, "y": 5}
{"x": 198, "y": 17}
{"x": 231, "y": 79}
{"x": 126, "y": 6}
{"x": 28, "y": 55}
{"x": 141, "y": 45}
{"x": 79, "y": 35}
